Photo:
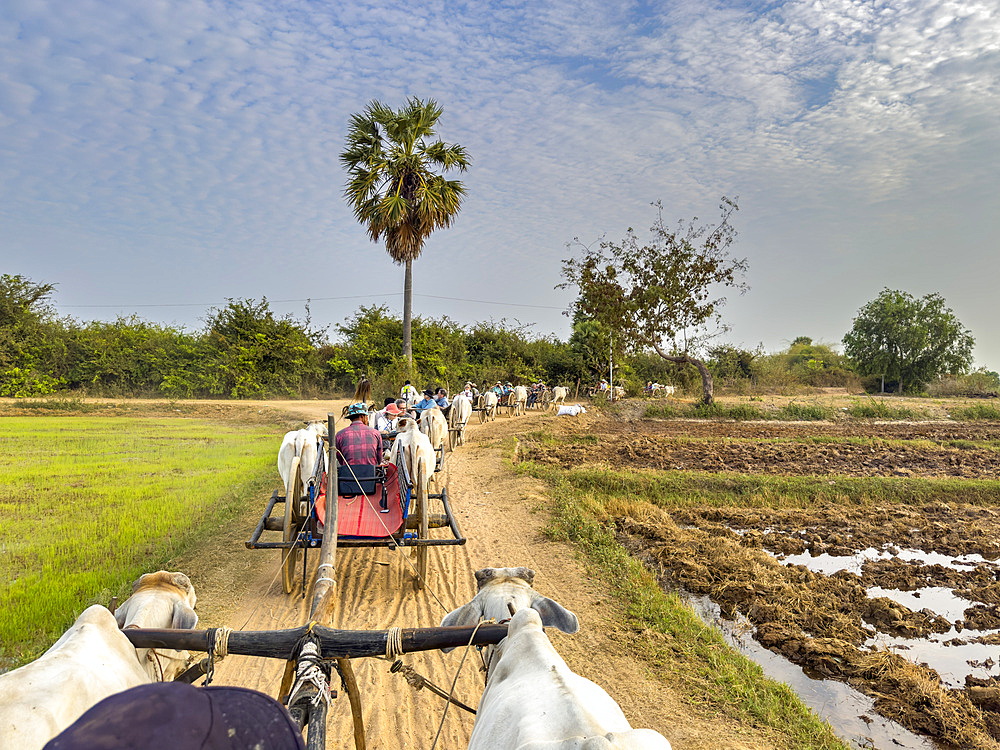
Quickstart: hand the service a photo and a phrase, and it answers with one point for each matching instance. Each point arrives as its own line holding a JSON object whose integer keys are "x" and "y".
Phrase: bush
{"x": 661, "y": 411}
{"x": 980, "y": 383}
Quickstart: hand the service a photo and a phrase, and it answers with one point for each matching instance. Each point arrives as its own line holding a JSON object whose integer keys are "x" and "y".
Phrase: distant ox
{"x": 533, "y": 700}
{"x": 93, "y": 660}
{"x": 559, "y": 394}
{"x": 458, "y": 417}
{"x": 519, "y": 399}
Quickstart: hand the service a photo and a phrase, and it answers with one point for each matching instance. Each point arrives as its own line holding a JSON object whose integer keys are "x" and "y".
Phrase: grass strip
{"x": 677, "y": 489}
{"x": 689, "y": 652}
{"x": 87, "y": 504}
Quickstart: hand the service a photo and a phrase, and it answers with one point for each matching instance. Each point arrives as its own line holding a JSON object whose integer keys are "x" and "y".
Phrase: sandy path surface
{"x": 503, "y": 517}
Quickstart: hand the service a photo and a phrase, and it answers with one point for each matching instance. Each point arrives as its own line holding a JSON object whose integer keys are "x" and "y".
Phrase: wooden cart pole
{"x": 325, "y": 590}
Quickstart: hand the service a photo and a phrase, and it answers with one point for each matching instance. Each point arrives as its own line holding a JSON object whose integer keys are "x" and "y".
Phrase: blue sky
{"x": 182, "y": 152}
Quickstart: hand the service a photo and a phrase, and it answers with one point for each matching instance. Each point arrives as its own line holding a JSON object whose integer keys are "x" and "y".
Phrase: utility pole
{"x": 611, "y": 368}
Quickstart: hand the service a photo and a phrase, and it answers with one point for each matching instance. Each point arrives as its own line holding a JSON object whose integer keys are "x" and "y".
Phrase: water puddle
{"x": 950, "y": 654}
{"x": 851, "y": 713}
{"x": 828, "y": 564}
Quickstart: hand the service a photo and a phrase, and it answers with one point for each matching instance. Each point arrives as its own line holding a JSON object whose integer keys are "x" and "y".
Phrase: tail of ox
{"x": 93, "y": 660}
{"x": 458, "y": 418}
{"x": 434, "y": 426}
{"x": 412, "y": 450}
{"x": 532, "y": 698}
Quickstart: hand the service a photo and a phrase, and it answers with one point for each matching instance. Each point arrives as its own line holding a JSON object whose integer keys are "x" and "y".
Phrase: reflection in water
{"x": 950, "y": 654}
{"x": 851, "y": 714}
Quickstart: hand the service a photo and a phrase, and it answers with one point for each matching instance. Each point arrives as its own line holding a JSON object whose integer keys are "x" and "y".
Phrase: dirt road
{"x": 503, "y": 516}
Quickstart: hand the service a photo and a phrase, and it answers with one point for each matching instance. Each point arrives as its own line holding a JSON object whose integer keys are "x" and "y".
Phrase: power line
{"x": 330, "y": 299}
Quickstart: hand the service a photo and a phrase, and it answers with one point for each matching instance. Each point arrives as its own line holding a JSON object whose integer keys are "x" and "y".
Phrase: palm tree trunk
{"x": 408, "y": 314}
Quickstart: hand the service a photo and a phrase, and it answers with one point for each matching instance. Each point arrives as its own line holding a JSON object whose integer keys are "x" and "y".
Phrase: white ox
{"x": 520, "y": 399}
{"x": 93, "y": 660}
{"x": 533, "y": 700}
{"x": 413, "y": 449}
{"x": 306, "y": 444}
{"x": 458, "y": 417}
{"x": 434, "y": 426}
{"x": 489, "y": 402}
{"x": 559, "y": 394}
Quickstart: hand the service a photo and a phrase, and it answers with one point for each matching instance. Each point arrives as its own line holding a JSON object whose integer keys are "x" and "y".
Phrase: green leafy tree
{"x": 32, "y": 341}
{"x": 394, "y": 186}
{"x": 909, "y": 340}
{"x": 662, "y": 294}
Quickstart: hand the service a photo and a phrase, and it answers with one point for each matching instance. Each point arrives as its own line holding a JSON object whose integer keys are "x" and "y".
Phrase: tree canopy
{"x": 395, "y": 185}
{"x": 908, "y": 340}
{"x": 664, "y": 294}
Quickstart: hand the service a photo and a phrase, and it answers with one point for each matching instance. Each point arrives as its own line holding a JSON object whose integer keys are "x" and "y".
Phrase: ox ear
{"x": 185, "y": 618}
{"x": 467, "y": 614}
{"x": 555, "y": 615}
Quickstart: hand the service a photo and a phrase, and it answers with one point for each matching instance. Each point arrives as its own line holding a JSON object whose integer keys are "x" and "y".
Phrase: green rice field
{"x": 87, "y": 504}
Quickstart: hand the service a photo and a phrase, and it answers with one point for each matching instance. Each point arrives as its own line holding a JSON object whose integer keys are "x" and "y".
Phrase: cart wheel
{"x": 452, "y": 439}
{"x": 290, "y": 556}
{"x": 482, "y": 415}
{"x": 422, "y": 502}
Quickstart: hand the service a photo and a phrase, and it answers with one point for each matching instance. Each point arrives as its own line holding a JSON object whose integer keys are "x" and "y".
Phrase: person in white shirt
{"x": 409, "y": 394}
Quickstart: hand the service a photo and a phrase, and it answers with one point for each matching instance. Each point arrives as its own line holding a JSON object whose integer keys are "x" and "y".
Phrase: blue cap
{"x": 357, "y": 410}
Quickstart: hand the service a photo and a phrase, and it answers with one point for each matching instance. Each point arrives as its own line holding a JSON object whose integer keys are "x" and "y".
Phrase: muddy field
{"x": 901, "y": 600}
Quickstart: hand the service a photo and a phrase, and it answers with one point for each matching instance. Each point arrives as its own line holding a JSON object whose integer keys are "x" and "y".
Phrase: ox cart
{"x": 377, "y": 506}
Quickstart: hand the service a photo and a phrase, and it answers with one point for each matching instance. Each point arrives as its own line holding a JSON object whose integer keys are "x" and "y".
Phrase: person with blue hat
{"x": 358, "y": 444}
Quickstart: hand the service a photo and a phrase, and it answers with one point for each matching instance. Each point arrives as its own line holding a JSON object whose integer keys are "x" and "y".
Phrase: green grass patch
{"x": 678, "y": 489}
{"x": 688, "y": 652}
{"x": 87, "y": 504}
{"x": 878, "y": 409}
{"x": 976, "y": 412}
{"x": 805, "y": 413}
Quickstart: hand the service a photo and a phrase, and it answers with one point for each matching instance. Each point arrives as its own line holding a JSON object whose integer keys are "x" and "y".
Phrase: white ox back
{"x": 413, "y": 449}
{"x": 306, "y": 444}
{"x": 520, "y": 397}
{"x": 533, "y": 700}
{"x": 91, "y": 661}
{"x": 434, "y": 426}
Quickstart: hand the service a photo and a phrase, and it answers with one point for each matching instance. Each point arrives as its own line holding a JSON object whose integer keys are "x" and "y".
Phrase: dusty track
{"x": 503, "y": 516}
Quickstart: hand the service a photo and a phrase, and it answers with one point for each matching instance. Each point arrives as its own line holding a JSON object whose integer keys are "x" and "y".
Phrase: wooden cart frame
{"x": 300, "y": 529}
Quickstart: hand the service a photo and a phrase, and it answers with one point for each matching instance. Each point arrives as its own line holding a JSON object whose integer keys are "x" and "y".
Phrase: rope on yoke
{"x": 309, "y": 671}
{"x": 218, "y": 648}
{"x": 393, "y": 643}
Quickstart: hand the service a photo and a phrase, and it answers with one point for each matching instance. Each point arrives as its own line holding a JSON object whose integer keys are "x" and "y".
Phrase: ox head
{"x": 160, "y": 600}
{"x": 503, "y": 588}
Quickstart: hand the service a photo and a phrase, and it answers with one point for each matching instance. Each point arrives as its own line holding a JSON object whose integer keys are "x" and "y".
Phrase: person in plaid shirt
{"x": 358, "y": 444}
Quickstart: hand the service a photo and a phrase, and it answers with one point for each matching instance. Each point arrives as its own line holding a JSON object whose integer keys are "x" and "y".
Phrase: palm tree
{"x": 393, "y": 187}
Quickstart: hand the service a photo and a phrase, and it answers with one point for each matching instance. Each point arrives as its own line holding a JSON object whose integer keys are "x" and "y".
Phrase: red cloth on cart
{"x": 360, "y": 515}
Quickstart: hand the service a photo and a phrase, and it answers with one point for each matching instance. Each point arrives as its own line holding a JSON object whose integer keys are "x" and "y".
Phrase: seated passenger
{"x": 441, "y": 399}
{"x": 426, "y": 402}
{"x": 386, "y": 419}
{"x": 358, "y": 444}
